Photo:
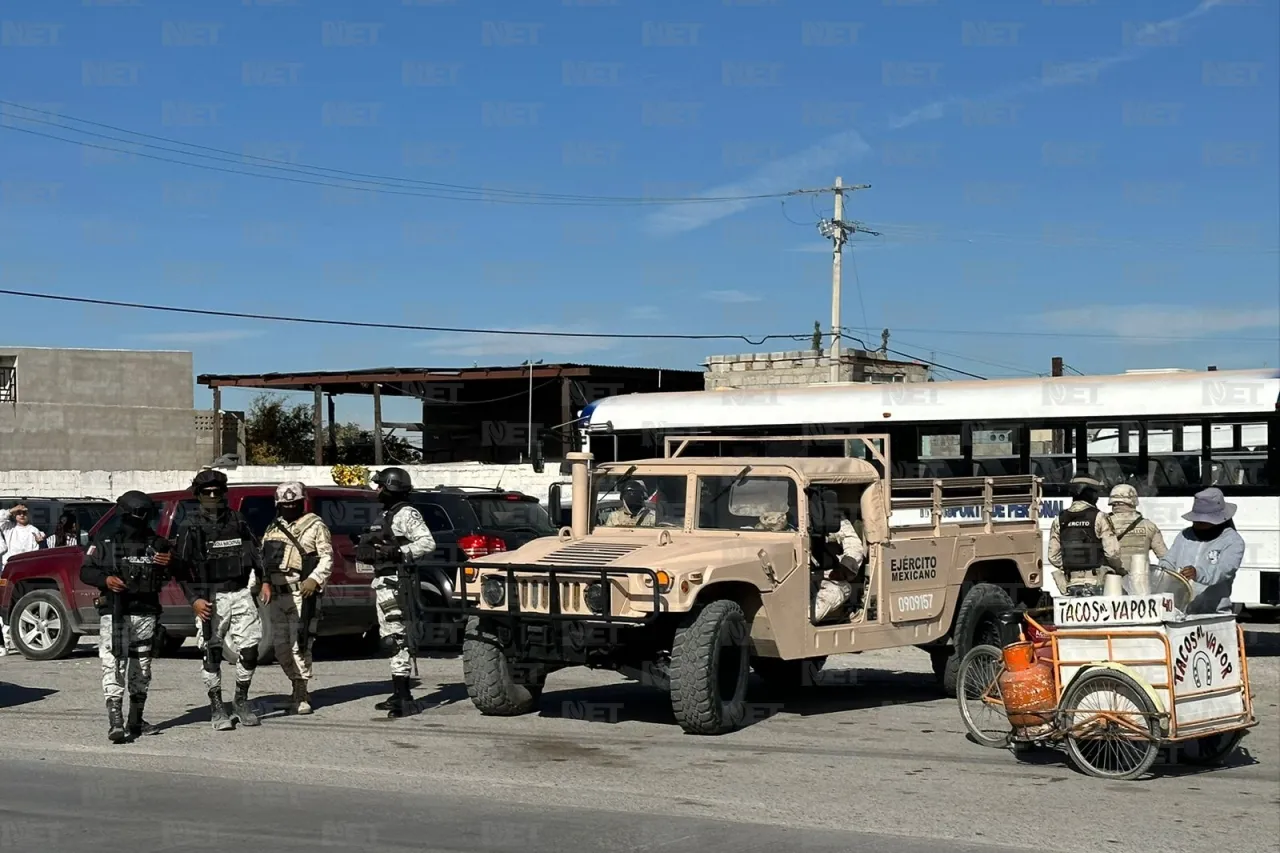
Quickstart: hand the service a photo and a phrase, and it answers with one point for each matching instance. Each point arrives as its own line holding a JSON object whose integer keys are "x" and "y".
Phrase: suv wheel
{"x": 710, "y": 660}
{"x": 498, "y": 686}
{"x": 975, "y": 625}
{"x": 40, "y": 626}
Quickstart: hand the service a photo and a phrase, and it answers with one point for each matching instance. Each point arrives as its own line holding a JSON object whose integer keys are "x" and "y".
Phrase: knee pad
{"x": 249, "y": 657}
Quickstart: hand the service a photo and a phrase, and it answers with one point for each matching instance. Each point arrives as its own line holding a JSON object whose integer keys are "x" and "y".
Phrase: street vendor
{"x": 1083, "y": 543}
{"x": 1208, "y": 553}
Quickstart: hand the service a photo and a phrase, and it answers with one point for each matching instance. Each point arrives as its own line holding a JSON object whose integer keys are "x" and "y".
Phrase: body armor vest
{"x": 1081, "y": 546}
{"x": 218, "y": 552}
{"x": 133, "y": 561}
{"x": 381, "y": 532}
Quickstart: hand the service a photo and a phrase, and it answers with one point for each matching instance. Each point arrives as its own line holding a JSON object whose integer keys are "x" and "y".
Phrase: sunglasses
{"x": 212, "y": 492}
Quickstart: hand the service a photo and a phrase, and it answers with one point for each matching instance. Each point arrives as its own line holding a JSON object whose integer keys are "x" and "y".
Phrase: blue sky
{"x": 1134, "y": 197}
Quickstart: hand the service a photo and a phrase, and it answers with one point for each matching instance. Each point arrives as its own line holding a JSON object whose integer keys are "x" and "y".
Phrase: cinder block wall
{"x": 803, "y": 367}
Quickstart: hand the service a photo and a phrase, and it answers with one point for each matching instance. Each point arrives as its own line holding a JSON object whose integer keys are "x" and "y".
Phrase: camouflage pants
{"x": 286, "y": 618}
{"x": 236, "y": 624}
{"x": 134, "y": 670}
{"x": 831, "y": 595}
{"x": 391, "y": 623}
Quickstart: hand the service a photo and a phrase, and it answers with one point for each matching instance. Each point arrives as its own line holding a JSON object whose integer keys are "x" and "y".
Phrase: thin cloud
{"x": 778, "y": 176}
{"x": 518, "y": 347}
{"x": 848, "y": 146}
{"x": 646, "y": 312}
{"x": 217, "y": 336}
{"x": 1143, "y": 323}
{"x": 735, "y": 297}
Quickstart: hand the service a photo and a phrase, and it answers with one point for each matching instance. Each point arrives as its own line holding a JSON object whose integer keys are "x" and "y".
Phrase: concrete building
{"x": 806, "y": 367}
{"x": 95, "y": 410}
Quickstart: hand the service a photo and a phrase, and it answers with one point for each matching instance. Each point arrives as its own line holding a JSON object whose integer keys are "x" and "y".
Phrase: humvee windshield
{"x": 647, "y": 500}
{"x": 747, "y": 503}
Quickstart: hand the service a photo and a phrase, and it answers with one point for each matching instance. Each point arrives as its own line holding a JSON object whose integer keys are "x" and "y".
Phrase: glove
{"x": 389, "y": 553}
{"x": 309, "y": 588}
{"x": 366, "y": 552}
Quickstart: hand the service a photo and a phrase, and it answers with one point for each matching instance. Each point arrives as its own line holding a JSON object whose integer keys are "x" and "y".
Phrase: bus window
{"x": 1238, "y": 457}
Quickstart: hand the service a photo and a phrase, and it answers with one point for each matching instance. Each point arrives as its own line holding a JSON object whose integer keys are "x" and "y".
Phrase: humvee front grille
{"x": 535, "y": 596}
{"x": 540, "y": 592}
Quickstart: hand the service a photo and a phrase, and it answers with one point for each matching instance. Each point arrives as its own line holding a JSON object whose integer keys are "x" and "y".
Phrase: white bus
{"x": 1169, "y": 433}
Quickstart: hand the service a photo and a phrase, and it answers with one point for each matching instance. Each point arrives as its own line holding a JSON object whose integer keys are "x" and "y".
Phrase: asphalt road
{"x": 876, "y": 761}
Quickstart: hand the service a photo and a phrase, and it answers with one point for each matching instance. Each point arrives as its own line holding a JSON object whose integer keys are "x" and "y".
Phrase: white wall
{"x": 112, "y": 484}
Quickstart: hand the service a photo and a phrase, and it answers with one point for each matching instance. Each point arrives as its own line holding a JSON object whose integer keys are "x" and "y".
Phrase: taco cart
{"x": 1113, "y": 679}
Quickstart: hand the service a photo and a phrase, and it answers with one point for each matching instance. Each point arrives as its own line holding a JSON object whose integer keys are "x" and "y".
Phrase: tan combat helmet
{"x": 1124, "y": 495}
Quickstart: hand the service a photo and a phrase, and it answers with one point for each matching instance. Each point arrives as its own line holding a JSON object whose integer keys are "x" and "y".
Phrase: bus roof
{"x": 1144, "y": 395}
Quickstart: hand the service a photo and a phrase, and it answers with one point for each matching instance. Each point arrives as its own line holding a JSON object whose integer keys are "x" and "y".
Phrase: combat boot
{"x": 401, "y": 703}
{"x": 138, "y": 726}
{"x": 300, "y": 702}
{"x": 115, "y": 721}
{"x": 385, "y": 704}
{"x": 240, "y": 706}
{"x": 218, "y": 713}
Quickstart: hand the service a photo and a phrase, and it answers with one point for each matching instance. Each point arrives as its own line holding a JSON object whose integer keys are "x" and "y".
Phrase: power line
{"x": 929, "y": 362}
{"x": 83, "y": 300}
{"x": 1095, "y": 336}
{"x": 964, "y": 357}
{"x": 385, "y": 184}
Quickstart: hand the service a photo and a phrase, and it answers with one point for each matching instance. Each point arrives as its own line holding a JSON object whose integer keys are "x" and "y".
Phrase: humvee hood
{"x": 641, "y": 549}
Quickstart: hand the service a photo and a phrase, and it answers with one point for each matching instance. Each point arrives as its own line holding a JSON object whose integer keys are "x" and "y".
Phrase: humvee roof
{"x": 808, "y": 469}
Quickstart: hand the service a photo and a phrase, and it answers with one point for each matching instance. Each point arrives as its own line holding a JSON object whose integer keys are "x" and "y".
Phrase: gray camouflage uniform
{"x": 407, "y": 524}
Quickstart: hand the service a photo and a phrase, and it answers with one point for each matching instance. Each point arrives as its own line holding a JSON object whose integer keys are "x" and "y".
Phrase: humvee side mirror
{"x": 553, "y": 504}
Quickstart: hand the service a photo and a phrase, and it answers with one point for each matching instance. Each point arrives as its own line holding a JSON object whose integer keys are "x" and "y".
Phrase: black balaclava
{"x": 290, "y": 512}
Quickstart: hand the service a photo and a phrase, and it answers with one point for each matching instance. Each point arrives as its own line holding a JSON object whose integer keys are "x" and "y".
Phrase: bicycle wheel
{"x": 1210, "y": 750}
{"x": 978, "y": 693}
{"x": 1112, "y": 726}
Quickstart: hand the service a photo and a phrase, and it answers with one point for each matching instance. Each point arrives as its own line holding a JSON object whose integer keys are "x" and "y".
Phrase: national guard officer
{"x": 392, "y": 546}
{"x": 297, "y": 556}
{"x": 216, "y": 560}
{"x": 1082, "y": 542}
{"x": 128, "y": 564}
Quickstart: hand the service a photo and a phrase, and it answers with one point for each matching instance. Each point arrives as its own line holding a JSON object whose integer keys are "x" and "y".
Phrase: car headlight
{"x": 594, "y": 597}
{"x": 494, "y": 591}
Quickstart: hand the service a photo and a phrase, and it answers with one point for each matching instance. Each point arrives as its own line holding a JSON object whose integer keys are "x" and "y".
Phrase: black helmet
{"x": 395, "y": 480}
{"x": 135, "y": 503}
{"x": 209, "y": 478}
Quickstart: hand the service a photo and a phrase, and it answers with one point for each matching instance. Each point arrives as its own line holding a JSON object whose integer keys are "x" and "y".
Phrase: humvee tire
{"x": 977, "y": 610}
{"x": 490, "y": 675}
{"x": 786, "y": 676}
{"x": 708, "y": 686}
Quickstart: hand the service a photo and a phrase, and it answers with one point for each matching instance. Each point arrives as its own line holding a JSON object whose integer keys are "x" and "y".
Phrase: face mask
{"x": 134, "y": 520}
{"x": 290, "y": 512}
{"x": 211, "y": 503}
{"x": 387, "y": 499}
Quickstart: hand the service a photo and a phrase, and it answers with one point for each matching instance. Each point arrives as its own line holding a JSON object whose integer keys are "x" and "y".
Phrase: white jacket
{"x": 15, "y": 539}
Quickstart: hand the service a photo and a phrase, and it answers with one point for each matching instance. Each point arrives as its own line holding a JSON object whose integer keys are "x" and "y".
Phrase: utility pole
{"x": 837, "y": 231}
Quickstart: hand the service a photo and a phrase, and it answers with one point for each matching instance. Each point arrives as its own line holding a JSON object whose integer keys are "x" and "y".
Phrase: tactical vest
{"x": 381, "y": 532}
{"x": 133, "y": 561}
{"x": 218, "y": 551}
{"x": 1081, "y": 545}
{"x": 273, "y": 550}
{"x": 1135, "y": 537}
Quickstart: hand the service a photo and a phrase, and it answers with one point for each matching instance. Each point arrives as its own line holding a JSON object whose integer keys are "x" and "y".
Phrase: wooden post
{"x": 377, "y": 424}
{"x": 217, "y": 423}
{"x": 318, "y": 426}
{"x": 333, "y": 433}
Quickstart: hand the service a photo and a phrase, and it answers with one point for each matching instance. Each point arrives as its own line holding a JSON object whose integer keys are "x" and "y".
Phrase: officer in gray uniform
{"x": 128, "y": 563}
{"x": 396, "y": 542}
{"x": 218, "y": 564}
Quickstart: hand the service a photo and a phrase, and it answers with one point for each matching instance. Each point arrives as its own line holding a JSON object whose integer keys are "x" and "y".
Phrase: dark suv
{"x": 48, "y": 608}
{"x": 45, "y": 512}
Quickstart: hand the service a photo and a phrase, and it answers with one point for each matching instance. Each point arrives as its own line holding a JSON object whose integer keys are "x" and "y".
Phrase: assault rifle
{"x": 374, "y": 550}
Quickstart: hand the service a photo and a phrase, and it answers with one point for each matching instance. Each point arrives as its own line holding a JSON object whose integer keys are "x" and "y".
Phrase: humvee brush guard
{"x": 710, "y": 567}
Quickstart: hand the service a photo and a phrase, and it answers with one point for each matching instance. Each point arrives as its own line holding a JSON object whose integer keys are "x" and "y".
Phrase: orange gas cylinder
{"x": 1027, "y": 686}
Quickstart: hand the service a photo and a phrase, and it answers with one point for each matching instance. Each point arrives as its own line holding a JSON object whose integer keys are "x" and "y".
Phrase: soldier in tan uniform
{"x": 1082, "y": 543}
{"x": 297, "y": 552}
{"x": 635, "y": 511}
{"x": 1138, "y": 536}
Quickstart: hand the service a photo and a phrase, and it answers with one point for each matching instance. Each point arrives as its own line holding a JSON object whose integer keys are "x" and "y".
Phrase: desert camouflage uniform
{"x": 837, "y": 587}
{"x": 409, "y": 525}
{"x": 286, "y": 603}
{"x": 621, "y": 518}
{"x": 1138, "y": 536}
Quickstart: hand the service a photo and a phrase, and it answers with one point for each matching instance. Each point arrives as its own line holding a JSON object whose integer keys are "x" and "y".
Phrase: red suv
{"x": 48, "y": 608}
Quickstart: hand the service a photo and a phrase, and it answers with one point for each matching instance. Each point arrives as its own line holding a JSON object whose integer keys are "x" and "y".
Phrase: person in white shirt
{"x": 17, "y": 536}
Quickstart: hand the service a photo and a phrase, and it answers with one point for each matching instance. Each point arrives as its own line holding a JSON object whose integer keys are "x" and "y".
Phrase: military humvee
{"x": 716, "y": 575}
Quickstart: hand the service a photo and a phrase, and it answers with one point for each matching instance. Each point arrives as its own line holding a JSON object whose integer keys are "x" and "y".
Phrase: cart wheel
{"x": 1111, "y": 725}
{"x": 1211, "y": 750}
{"x": 977, "y": 691}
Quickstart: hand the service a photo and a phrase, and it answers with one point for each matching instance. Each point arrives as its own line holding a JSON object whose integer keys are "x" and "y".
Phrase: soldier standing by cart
{"x": 391, "y": 547}
{"x": 128, "y": 564}
{"x": 216, "y": 560}
{"x": 297, "y": 556}
{"x": 1082, "y": 542}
